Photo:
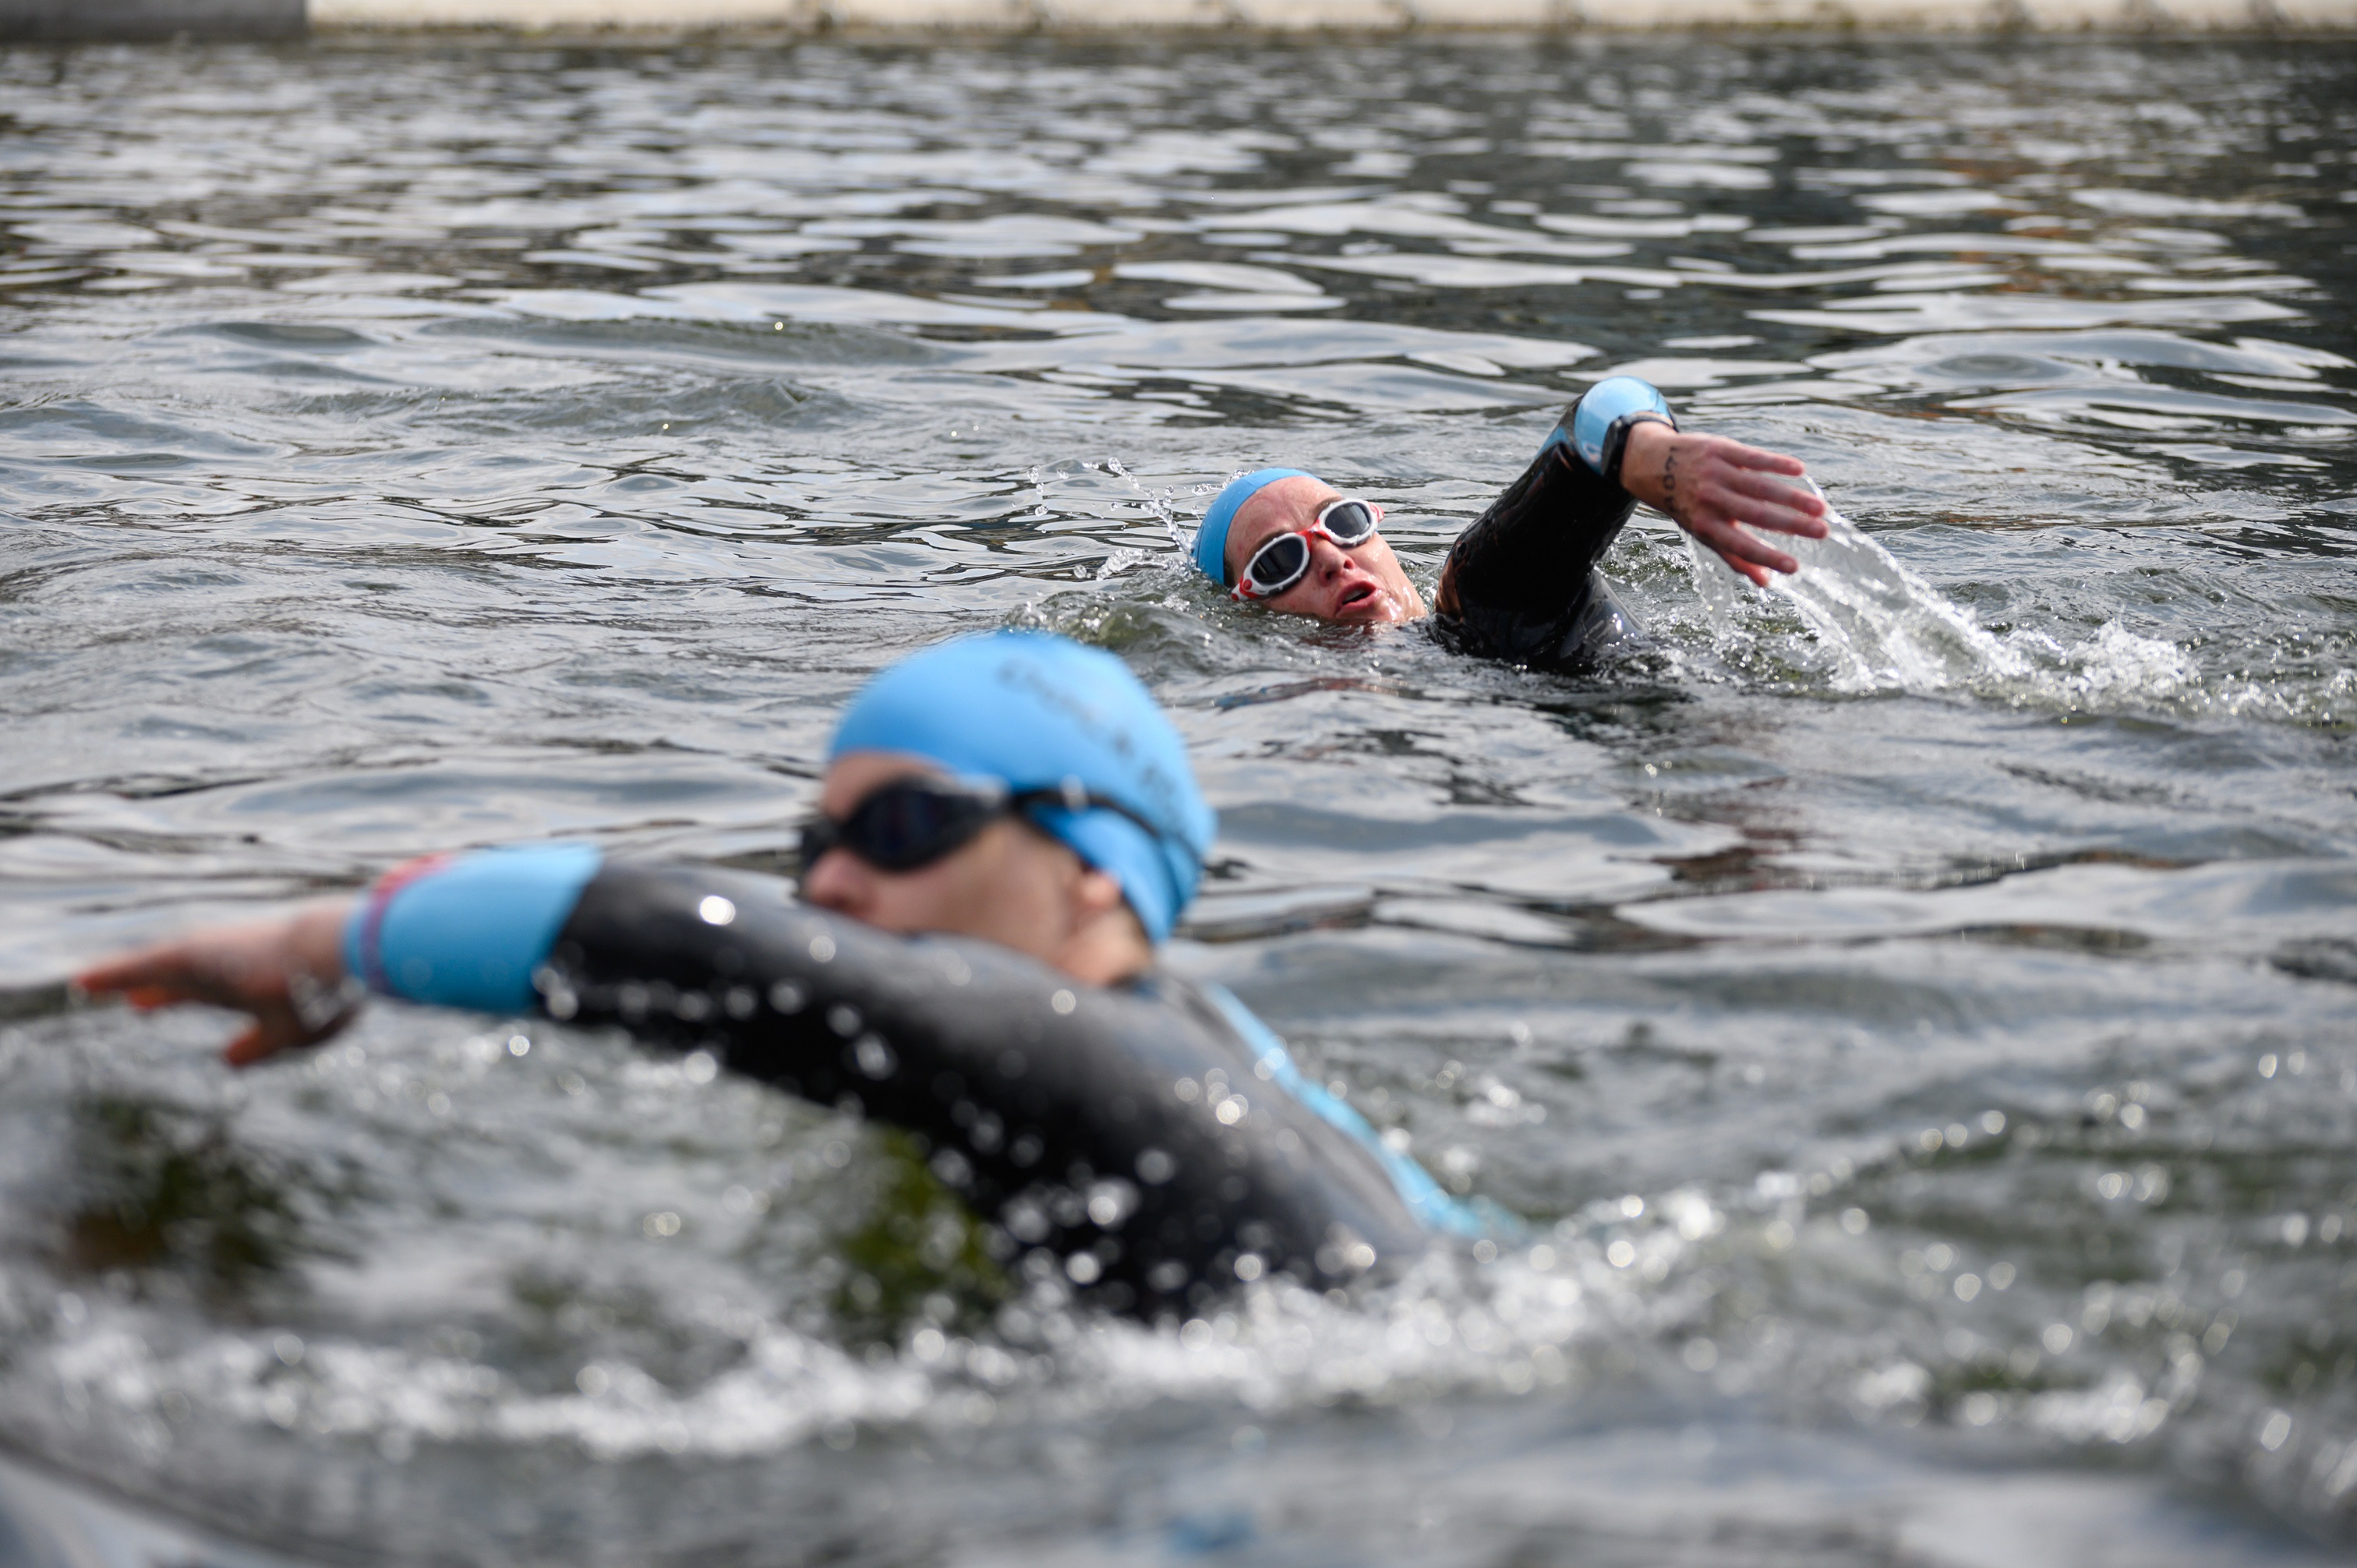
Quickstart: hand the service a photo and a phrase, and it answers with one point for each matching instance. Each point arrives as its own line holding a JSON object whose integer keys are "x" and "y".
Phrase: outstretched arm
{"x": 1718, "y": 490}
{"x": 465, "y": 932}
{"x": 1132, "y": 1130}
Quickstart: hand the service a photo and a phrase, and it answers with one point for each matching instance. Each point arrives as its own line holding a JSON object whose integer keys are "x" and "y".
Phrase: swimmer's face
{"x": 1010, "y": 884}
{"x": 1364, "y": 586}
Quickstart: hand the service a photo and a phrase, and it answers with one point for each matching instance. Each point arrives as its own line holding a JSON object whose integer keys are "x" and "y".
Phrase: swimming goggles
{"x": 1283, "y": 559}
{"x": 912, "y": 822}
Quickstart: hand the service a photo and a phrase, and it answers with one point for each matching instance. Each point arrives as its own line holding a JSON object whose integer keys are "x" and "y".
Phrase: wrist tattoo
{"x": 1670, "y": 481}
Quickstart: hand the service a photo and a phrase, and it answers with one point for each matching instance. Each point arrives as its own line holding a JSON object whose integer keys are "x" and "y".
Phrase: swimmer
{"x": 1008, "y": 827}
{"x": 1520, "y": 583}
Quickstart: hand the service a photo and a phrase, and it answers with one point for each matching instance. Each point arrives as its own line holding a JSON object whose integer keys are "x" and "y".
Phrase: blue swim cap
{"x": 1212, "y": 539}
{"x": 1032, "y": 710}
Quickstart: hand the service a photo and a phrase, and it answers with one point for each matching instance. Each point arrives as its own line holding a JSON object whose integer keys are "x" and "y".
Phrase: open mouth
{"x": 1356, "y": 597}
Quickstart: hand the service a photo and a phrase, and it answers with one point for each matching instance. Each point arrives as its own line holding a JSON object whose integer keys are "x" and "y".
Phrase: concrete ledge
{"x": 1087, "y": 16}
{"x": 68, "y": 21}
{"x": 65, "y": 20}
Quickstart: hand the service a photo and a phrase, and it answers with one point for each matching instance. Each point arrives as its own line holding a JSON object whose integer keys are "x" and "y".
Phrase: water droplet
{"x": 715, "y": 910}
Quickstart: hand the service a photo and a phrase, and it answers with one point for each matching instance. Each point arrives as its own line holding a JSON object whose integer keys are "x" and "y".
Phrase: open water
{"x": 1913, "y": 1014}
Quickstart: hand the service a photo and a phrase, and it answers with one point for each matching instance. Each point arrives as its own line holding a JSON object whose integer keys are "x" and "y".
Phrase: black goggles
{"x": 912, "y": 822}
{"x": 1283, "y": 559}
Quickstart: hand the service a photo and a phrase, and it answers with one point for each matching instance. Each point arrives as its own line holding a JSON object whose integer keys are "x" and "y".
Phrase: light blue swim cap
{"x": 1032, "y": 710}
{"x": 1212, "y": 539}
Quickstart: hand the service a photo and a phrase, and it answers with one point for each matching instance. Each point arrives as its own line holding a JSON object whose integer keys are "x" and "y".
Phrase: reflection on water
{"x": 1911, "y": 1009}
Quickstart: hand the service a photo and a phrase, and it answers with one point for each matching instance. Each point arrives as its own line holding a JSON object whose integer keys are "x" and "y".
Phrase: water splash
{"x": 1884, "y": 628}
{"x": 1877, "y": 627}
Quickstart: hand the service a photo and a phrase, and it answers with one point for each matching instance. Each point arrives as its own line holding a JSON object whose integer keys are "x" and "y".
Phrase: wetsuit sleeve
{"x": 466, "y": 930}
{"x": 1127, "y": 1130}
{"x": 1521, "y": 582}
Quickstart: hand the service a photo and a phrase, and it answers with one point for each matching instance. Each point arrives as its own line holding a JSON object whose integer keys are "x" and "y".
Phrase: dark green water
{"x": 1913, "y": 1014}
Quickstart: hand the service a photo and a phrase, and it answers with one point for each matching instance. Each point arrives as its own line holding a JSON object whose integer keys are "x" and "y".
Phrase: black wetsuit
{"x": 1521, "y": 583}
{"x": 1140, "y": 1131}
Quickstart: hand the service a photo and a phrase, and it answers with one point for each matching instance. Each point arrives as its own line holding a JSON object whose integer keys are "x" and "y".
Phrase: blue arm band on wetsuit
{"x": 1423, "y": 1196}
{"x": 1600, "y": 423}
{"x": 468, "y": 932}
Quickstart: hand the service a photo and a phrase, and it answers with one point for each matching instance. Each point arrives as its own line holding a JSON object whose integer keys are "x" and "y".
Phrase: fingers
{"x": 1717, "y": 520}
{"x": 276, "y": 1030}
{"x": 1754, "y": 501}
{"x": 259, "y": 1042}
{"x": 147, "y": 998}
{"x": 1753, "y": 486}
{"x": 147, "y": 968}
{"x": 1760, "y": 460}
{"x": 1779, "y": 519}
{"x": 1756, "y": 575}
{"x": 1752, "y": 557}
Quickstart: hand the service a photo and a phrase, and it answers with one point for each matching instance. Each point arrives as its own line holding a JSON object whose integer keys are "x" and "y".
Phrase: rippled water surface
{"x": 1911, "y": 1013}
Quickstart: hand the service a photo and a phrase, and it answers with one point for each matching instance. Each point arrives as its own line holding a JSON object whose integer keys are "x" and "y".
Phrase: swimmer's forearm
{"x": 315, "y": 939}
{"x": 464, "y": 932}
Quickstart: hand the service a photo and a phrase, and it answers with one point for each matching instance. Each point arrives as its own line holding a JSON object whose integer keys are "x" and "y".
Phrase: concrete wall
{"x": 67, "y": 19}
{"x": 1283, "y": 15}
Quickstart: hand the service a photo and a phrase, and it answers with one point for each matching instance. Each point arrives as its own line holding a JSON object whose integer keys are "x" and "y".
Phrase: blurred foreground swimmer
{"x": 1521, "y": 583}
{"x": 1008, "y": 826}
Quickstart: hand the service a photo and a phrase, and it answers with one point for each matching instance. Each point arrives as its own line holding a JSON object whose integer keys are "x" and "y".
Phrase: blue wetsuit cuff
{"x": 467, "y": 931}
{"x": 1601, "y": 419}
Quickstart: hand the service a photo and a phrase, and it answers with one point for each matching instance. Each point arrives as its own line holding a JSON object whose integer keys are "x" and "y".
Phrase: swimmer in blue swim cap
{"x": 1521, "y": 582}
{"x": 1046, "y": 767}
{"x": 1006, "y": 830}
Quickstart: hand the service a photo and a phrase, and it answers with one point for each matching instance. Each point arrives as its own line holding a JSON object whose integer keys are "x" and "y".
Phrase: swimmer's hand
{"x": 286, "y": 974}
{"x": 1717, "y": 491}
